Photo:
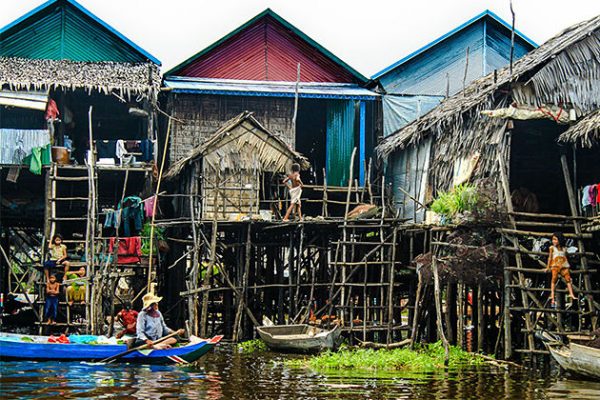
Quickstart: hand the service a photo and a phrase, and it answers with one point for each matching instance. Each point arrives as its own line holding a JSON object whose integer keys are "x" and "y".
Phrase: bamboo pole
{"x": 508, "y": 200}
{"x": 438, "y": 308}
{"x": 242, "y": 298}
{"x": 152, "y": 224}
{"x": 587, "y": 284}
{"x": 213, "y": 257}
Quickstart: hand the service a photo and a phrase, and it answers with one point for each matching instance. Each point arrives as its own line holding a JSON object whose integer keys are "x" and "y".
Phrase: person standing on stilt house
{"x": 295, "y": 188}
{"x": 559, "y": 265}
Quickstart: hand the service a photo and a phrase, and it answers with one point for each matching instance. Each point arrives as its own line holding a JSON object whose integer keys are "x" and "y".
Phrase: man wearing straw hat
{"x": 151, "y": 325}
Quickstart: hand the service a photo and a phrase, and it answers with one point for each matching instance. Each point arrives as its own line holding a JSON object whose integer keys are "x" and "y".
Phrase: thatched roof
{"x": 273, "y": 153}
{"x": 125, "y": 79}
{"x": 564, "y": 70}
{"x": 585, "y": 132}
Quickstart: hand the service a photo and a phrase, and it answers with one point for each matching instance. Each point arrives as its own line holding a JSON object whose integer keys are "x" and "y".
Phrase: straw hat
{"x": 150, "y": 299}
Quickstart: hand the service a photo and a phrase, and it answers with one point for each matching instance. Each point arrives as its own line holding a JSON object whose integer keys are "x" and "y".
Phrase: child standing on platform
{"x": 51, "y": 306}
{"x": 295, "y": 189}
{"x": 559, "y": 265}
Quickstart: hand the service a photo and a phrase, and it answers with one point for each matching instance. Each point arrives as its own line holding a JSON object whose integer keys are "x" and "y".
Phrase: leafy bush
{"x": 159, "y": 234}
{"x": 460, "y": 199}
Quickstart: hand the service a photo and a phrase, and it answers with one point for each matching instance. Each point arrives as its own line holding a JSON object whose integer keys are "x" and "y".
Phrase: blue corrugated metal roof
{"x": 486, "y": 13}
{"x": 234, "y": 87}
{"x": 40, "y": 11}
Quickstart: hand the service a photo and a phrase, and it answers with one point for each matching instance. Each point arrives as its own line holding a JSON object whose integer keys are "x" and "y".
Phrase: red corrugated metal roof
{"x": 267, "y": 51}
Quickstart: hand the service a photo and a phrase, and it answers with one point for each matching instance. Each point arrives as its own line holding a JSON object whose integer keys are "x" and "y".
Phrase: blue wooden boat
{"x": 29, "y": 348}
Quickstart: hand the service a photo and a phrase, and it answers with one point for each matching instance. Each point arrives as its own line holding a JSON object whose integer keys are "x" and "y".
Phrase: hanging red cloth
{"x": 51, "y": 110}
{"x": 130, "y": 249}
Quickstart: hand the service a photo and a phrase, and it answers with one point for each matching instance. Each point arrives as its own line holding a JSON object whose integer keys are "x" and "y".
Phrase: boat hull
{"x": 577, "y": 359}
{"x": 299, "y": 338}
{"x": 12, "y": 348}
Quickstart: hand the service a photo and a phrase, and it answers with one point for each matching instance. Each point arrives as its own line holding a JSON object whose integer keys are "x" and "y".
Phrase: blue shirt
{"x": 151, "y": 328}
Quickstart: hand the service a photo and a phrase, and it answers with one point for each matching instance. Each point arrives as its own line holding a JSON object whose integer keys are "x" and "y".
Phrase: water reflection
{"x": 224, "y": 374}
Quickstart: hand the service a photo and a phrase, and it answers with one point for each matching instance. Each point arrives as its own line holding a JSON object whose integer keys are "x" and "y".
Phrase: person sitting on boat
{"x": 128, "y": 318}
{"x": 151, "y": 325}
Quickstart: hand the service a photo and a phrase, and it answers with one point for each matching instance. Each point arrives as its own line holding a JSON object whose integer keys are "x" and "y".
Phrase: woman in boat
{"x": 151, "y": 325}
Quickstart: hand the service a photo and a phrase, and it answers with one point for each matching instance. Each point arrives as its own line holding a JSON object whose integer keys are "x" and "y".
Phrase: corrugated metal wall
{"x": 340, "y": 141}
{"x": 66, "y": 33}
{"x": 266, "y": 51}
{"x": 408, "y": 170}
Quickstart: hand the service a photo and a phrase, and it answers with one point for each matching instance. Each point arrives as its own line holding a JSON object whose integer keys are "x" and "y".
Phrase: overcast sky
{"x": 367, "y": 34}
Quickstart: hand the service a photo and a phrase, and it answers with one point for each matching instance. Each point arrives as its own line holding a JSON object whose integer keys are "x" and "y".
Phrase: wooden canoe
{"x": 29, "y": 347}
{"x": 575, "y": 357}
{"x": 301, "y": 338}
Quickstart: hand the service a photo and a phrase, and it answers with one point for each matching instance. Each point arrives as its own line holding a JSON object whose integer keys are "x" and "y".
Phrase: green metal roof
{"x": 65, "y": 30}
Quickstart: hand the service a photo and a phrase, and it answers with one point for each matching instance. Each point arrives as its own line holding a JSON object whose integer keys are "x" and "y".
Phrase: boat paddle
{"x": 110, "y": 359}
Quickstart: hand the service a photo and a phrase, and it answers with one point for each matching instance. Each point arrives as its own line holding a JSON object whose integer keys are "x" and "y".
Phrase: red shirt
{"x": 128, "y": 317}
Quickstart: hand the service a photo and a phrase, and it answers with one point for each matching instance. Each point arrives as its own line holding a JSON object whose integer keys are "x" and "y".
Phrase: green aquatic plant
{"x": 251, "y": 346}
{"x": 425, "y": 358}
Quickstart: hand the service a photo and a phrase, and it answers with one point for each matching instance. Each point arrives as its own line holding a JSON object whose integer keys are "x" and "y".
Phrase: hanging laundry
{"x": 147, "y": 149}
{"x": 149, "y": 206}
{"x": 585, "y": 196}
{"x": 112, "y": 218}
{"x": 132, "y": 215}
{"x": 35, "y": 162}
{"x": 129, "y": 250}
{"x": 51, "y": 110}
{"x": 133, "y": 146}
{"x": 106, "y": 148}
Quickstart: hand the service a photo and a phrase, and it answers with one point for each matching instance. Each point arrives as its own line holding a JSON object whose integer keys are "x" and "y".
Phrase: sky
{"x": 369, "y": 35}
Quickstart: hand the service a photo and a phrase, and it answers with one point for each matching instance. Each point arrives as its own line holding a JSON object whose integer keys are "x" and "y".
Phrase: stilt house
{"x": 516, "y": 114}
{"x": 262, "y": 66}
{"x": 71, "y": 89}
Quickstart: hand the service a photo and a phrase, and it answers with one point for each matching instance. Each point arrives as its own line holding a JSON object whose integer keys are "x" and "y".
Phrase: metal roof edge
{"x": 286, "y": 24}
{"x": 89, "y": 14}
{"x": 274, "y": 94}
{"x": 445, "y": 36}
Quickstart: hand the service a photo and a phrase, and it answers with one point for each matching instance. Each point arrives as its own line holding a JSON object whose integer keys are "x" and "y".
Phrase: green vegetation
{"x": 251, "y": 346}
{"x": 425, "y": 358}
{"x": 159, "y": 234}
{"x": 460, "y": 199}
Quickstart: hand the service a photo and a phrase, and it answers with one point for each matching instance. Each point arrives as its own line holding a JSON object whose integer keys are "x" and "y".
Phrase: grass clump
{"x": 251, "y": 346}
{"x": 425, "y": 358}
{"x": 462, "y": 198}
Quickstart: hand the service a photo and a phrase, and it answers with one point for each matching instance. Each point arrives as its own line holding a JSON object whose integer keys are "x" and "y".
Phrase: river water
{"x": 226, "y": 374}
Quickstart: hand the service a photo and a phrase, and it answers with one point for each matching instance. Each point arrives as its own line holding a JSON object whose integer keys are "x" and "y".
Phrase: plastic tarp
{"x": 408, "y": 169}
{"x": 398, "y": 111}
{"x": 15, "y": 142}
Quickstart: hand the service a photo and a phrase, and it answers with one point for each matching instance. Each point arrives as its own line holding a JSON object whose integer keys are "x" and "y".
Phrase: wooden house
{"x": 72, "y": 85}
{"x": 262, "y": 67}
{"x": 235, "y": 171}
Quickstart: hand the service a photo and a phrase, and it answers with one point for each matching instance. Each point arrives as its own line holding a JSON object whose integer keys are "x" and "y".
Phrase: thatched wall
{"x": 203, "y": 115}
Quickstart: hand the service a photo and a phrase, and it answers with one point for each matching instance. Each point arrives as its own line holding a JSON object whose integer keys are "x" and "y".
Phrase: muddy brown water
{"x": 226, "y": 374}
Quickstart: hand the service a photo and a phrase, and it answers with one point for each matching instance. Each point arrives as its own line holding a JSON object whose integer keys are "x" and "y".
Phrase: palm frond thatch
{"x": 586, "y": 132}
{"x": 127, "y": 80}
{"x": 238, "y": 139}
